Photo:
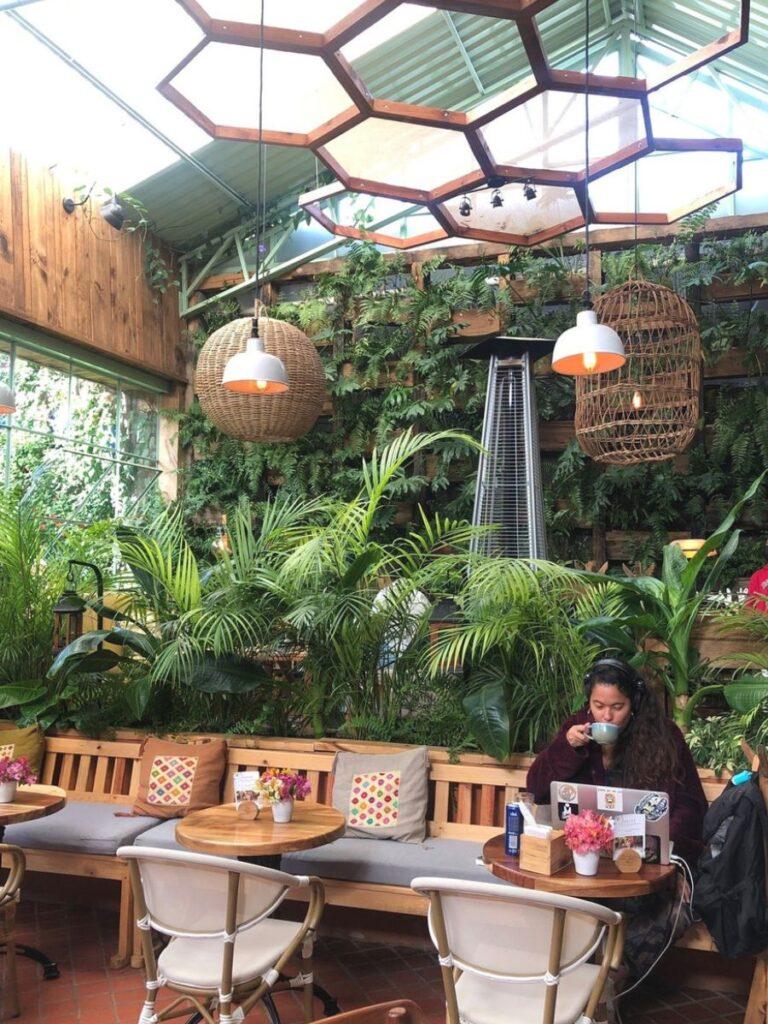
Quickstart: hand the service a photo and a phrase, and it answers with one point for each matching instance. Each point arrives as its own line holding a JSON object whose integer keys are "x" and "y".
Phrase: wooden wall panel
{"x": 77, "y": 278}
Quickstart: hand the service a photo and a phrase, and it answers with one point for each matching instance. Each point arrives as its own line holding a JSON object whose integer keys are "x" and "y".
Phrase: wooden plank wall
{"x": 75, "y": 277}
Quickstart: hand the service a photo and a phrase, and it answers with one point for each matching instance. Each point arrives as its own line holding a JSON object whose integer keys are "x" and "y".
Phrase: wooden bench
{"x": 467, "y": 801}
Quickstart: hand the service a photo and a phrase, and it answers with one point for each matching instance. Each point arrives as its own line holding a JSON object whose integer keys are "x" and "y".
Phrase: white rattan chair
{"x": 225, "y": 952}
{"x": 515, "y": 956}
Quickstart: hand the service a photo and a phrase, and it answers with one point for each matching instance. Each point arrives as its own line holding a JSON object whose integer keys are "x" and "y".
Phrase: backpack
{"x": 730, "y": 893}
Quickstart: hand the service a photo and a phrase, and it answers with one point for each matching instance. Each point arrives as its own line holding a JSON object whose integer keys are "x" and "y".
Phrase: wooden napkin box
{"x": 544, "y": 856}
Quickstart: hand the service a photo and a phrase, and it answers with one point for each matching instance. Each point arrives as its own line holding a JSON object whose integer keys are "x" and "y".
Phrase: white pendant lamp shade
{"x": 589, "y": 347}
{"x": 7, "y": 400}
{"x": 255, "y": 372}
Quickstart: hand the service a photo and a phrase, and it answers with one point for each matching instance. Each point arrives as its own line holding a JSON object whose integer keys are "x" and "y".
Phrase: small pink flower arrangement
{"x": 587, "y": 832}
{"x": 276, "y": 784}
{"x": 17, "y": 770}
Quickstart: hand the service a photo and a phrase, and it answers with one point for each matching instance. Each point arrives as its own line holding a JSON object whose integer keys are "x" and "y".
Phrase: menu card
{"x": 629, "y": 833}
{"x": 245, "y": 787}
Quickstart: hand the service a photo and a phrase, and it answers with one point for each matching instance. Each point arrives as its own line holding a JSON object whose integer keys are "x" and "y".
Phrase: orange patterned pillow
{"x": 177, "y": 778}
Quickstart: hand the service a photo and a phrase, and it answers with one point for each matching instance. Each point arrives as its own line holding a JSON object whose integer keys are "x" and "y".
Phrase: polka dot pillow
{"x": 383, "y": 796}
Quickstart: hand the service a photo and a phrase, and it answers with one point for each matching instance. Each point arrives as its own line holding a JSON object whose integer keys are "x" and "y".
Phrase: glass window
{"x": 83, "y": 443}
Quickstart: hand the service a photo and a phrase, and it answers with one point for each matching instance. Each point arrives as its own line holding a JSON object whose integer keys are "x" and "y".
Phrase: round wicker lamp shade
{"x": 647, "y": 410}
{"x": 265, "y": 418}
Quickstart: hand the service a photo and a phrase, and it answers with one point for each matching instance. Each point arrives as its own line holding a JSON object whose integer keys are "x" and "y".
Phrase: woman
{"x": 651, "y": 754}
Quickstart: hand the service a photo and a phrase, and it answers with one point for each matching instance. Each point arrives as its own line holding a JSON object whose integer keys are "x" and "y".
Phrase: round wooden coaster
{"x": 249, "y": 810}
{"x": 628, "y": 861}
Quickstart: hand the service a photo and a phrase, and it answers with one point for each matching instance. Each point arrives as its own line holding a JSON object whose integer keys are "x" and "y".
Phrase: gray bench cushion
{"x": 80, "y": 827}
{"x": 388, "y": 863}
{"x": 162, "y": 836}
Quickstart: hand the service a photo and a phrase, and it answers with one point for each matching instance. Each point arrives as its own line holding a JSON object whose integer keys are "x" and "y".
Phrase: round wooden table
{"x": 33, "y": 802}
{"x": 218, "y": 830}
{"x": 608, "y": 883}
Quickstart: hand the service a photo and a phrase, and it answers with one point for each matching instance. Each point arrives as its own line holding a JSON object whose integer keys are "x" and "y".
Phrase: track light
{"x": 465, "y": 206}
{"x": 497, "y": 199}
{"x": 529, "y": 191}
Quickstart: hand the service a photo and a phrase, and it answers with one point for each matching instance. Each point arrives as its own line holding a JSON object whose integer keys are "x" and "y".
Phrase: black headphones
{"x": 632, "y": 680}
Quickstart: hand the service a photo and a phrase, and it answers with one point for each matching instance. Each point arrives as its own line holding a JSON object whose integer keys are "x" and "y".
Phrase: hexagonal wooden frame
{"x": 328, "y": 46}
{"x": 457, "y": 229}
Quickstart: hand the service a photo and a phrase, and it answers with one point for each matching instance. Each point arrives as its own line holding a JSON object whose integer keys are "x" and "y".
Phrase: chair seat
{"x": 484, "y": 1001}
{"x": 196, "y": 963}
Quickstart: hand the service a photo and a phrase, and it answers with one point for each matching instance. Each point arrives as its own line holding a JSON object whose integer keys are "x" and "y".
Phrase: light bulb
{"x": 590, "y": 360}
{"x": 637, "y": 400}
{"x": 261, "y": 385}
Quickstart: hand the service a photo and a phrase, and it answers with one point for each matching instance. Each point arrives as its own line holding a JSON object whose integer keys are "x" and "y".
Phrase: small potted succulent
{"x": 586, "y": 834}
{"x": 280, "y": 788}
{"x": 13, "y": 773}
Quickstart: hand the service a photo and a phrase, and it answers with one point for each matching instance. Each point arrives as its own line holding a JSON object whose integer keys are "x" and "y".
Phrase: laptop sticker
{"x": 653, "y": 805}
{"x": 567, "y": 792}
{"x": 565, "y": 808}
{"x": 610, "y": 800}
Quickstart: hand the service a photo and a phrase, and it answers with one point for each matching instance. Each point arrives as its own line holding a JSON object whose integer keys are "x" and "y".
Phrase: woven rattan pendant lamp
{"x": 260, "y": 379}
{"x": 648, "y": 409}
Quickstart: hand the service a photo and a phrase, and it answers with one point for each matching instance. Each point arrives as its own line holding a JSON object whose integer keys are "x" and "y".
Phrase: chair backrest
{"x": 507, "y": 933}
{"x": 188, "y": 893}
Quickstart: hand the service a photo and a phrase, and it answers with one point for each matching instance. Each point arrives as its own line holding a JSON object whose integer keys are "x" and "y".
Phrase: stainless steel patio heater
{"x": 508, "y": 494}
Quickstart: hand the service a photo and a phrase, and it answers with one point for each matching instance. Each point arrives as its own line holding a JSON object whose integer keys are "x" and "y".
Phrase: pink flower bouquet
{"x": 17, "y": 770}
{"x": 587, "y": 832}
{"x": 276, "y": 785}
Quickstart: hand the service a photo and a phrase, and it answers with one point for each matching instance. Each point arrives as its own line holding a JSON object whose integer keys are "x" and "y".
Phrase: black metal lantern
{"x": 69, "y": 609}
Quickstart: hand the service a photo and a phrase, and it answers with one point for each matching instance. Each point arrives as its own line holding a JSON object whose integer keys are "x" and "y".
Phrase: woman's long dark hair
{"x": 646, "y": 753}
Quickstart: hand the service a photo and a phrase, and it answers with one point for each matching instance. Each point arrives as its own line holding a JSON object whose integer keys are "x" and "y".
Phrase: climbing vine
{"x": 385, "y": 331}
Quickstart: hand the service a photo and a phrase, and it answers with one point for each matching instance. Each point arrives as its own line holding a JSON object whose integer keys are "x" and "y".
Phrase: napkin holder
{"x": 544, "y": 854}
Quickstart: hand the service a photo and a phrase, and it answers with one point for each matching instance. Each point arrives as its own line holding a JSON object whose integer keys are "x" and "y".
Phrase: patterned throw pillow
{"x": 383, "y": 796}
{"x": 177, "y": 778}
{"x": 27, "y": 741}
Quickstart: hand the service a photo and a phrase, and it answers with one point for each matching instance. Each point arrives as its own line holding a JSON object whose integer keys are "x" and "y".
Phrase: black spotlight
{"x": 497, "y": 199}
{"x": 113, "y": 213}
{"x": 529, "y": 191}
{"x": 465, "y": 206}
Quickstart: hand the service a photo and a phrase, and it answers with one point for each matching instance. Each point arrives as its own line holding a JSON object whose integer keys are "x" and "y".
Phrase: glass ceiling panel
{"x": 300, "y": 91}
{"x": 551, "y": 206}
{"x": 406, "y": 155}
{"x": 548, "y": 131}
{"x": 309, "y": 15}
{"x": 667, "y": 183}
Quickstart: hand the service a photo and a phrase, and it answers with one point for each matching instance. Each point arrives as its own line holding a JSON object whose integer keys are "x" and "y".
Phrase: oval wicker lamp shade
{"x": 647, "y": 410}
{"x": 265, "y": 418}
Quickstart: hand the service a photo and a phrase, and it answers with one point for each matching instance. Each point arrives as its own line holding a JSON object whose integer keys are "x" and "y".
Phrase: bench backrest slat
{"x": 466, "y": 800}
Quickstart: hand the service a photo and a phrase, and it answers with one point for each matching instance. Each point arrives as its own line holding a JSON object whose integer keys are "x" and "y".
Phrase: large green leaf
{"x": 747, "y": 693}
{"x": 361, "y": 565}
{"x": 12, "y": 696}
{"x": 137, "y": 694}
{"x": 489, "y": 719}
{"x": 227, "y": 675}
{"x": 84, "y": 655}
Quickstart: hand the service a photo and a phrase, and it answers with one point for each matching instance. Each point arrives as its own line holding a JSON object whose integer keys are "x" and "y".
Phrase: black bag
{"x": 730, "y": 893}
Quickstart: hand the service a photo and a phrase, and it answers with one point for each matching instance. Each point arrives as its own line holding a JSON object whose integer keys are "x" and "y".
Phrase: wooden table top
{"x": 608, "y": 883}
{"x": 32, "y": 802}
{"x": 220, "y": 831}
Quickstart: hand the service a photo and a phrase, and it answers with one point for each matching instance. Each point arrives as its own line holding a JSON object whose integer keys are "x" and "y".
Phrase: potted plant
{"x": 14, "y": 772}
{"x": 280, "y": 788}
{"x": 586, "y": 834}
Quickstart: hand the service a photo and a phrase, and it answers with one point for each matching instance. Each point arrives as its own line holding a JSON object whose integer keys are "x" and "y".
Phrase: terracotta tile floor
{"x": 356, "y": 972}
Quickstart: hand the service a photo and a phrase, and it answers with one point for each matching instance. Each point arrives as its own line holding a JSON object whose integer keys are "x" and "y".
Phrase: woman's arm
{"x": 558, "y": 762}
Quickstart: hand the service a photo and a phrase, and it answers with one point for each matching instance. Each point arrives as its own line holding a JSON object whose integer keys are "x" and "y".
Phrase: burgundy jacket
{"x": 560, "y": 762}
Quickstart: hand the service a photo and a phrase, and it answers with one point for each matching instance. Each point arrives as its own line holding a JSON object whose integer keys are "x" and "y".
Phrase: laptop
{"x": 572, "y": 797}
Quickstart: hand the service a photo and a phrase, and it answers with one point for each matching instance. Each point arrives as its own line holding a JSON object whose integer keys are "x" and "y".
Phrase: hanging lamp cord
{"x": 637, "y": 162}
{"x": 260, "y": 187}
{"x": 587, "y": 297}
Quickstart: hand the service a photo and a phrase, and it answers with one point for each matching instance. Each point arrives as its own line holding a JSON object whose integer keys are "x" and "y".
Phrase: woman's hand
{"x": 578, "y": 735}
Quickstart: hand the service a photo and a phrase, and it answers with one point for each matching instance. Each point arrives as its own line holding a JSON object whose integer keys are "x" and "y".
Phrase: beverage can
{"x": 513, "y": 831}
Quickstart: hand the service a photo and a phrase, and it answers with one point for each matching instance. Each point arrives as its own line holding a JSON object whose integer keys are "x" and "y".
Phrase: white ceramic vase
{"x": 282, "y": 811}
{"x": 7, "y": 792}
{"x": 586, "y": 863}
